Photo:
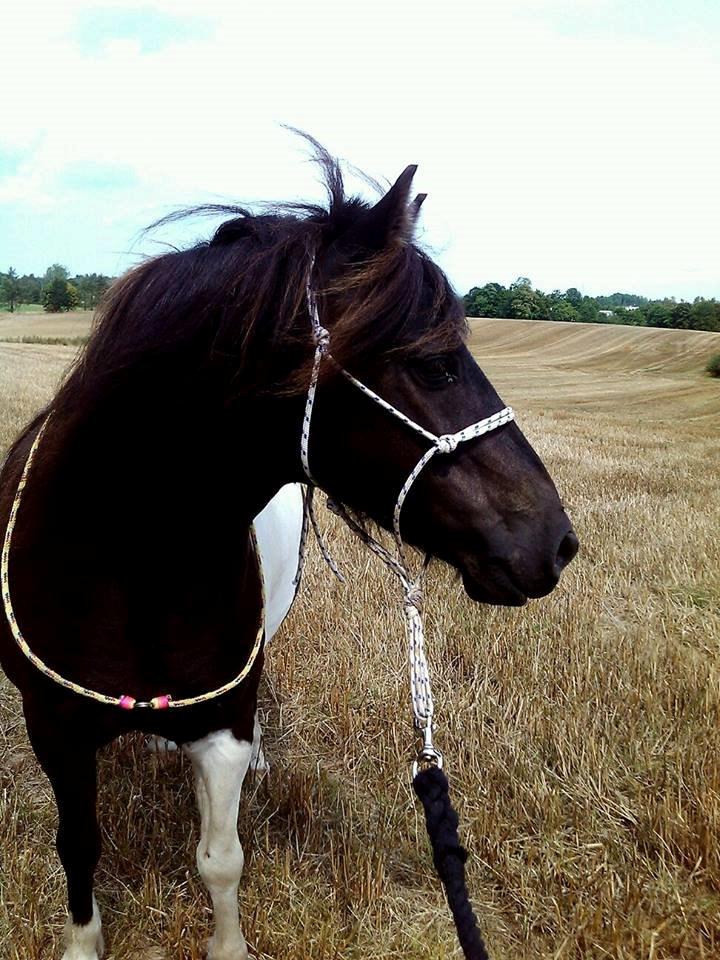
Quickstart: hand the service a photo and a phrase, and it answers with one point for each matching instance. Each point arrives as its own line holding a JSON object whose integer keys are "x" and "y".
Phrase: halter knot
{"x": 322, "y": 338}
{"x": 413, "y": 596}
{"x": 447, "y": 443}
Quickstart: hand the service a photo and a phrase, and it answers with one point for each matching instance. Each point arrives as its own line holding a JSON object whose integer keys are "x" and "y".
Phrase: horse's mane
{"x": 238, "y": 301}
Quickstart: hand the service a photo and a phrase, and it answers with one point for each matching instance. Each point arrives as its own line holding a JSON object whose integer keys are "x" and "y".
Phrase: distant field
{"x": 600, "y": 366}
{"x": 596, "y": 346}
{"x": 15, "y": 326}
{"x": 582, "y": 734}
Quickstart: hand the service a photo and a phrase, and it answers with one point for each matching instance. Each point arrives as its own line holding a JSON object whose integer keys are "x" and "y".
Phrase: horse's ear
{"x": 391, "y": 219}
{"x": 414, "y": 211}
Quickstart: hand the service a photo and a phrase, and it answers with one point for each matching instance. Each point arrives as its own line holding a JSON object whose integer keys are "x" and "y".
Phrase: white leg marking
{"x": 220, "y": 763}
{"x": 258, "y": 763}
{"x": 84, "y": 942}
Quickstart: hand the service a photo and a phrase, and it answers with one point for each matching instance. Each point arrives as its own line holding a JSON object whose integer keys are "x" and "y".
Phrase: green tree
{"x": 521, "y": 300}
{"x": 573, "y": 297}
{"x": 90, "y": 288}
{"x": 621, "y": 300}
{"x": 562, "y": 309}
{"x": 681, "y": 316}
{"x": 587, "y": 311}
{"x": 30, "y": 289}
{"x": 706, "y": 315}
{"x": 11, "y": 291}
{"x": 492, "y": 300}
{"x": 56, "y": 272}
{"x": 657, "y": 313}
{"x": 524, "y": 303}
{"x": 59, "y": 295}
{"x": 542, "y": 306}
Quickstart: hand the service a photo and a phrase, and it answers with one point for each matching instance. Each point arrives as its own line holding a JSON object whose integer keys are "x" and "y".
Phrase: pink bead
{"x": 127, "y": 703}
{"x": 161, "y": 703}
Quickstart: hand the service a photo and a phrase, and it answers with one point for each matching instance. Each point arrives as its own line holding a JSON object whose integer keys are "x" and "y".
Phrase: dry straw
{"x": 586, "y": 727}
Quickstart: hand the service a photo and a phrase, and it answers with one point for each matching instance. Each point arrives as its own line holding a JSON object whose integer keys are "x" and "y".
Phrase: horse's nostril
{"x": 566, "y": 551}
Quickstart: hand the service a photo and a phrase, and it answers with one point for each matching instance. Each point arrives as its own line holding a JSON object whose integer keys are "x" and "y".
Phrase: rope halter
{"x": 444, "y": 444}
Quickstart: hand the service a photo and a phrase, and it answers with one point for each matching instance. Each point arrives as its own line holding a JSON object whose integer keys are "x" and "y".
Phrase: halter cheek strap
{"x": 444, "y": 444}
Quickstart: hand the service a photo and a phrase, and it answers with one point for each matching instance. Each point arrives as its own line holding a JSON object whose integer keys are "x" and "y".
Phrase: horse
{"x": 133, "y": 569}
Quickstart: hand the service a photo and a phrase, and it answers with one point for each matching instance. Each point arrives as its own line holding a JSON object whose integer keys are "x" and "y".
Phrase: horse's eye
{"x": 435, "y": 372}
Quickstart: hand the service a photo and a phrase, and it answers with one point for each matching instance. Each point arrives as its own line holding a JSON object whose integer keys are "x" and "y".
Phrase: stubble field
{"x": 582, "y": 733}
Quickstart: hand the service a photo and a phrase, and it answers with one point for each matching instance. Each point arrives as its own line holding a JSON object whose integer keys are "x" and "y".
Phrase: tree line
{"x": 521, "y": 300}
{"x": 56, "y": 290}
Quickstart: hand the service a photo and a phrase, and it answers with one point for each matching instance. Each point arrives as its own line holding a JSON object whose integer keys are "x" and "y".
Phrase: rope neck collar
{"x": 124, "y": 701}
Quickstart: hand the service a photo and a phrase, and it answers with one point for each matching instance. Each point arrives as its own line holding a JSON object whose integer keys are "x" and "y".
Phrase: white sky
{"x": 576, "y": 143}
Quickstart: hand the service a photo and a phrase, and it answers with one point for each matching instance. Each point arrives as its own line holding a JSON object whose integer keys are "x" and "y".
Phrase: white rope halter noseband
{"x": 421, "y": 692}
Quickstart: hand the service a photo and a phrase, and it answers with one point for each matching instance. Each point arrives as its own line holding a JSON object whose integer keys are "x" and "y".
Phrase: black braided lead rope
{"x": 449, "y": 857}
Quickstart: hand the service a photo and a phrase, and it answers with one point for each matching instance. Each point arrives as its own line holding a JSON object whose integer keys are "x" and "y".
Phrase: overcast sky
{"x": 576, "y": 143}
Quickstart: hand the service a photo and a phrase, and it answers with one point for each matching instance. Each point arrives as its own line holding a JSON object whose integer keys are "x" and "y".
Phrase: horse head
{"x": 489, "y": 507}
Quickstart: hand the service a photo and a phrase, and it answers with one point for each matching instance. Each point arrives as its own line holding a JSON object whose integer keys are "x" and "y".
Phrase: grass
{"x": 582, "y": 733}
{"x": 22, "y": 308}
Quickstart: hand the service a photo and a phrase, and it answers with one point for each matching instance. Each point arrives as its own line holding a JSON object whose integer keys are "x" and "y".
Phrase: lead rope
{"x": 429, "y": 781}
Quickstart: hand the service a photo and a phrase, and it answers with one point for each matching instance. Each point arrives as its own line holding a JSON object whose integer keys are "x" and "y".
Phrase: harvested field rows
{"x": 582, "y": 733}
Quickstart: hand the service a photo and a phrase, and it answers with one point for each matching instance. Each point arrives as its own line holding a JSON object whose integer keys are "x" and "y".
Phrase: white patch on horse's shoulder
{"x": 277, "y": 529}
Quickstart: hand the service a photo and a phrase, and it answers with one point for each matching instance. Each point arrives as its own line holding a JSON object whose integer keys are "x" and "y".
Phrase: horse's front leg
{"x": 220, "y": 762}
{"x": 69, "y": 761}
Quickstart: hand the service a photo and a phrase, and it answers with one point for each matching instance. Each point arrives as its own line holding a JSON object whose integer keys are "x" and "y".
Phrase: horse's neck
{"x": 149, "y": 445}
